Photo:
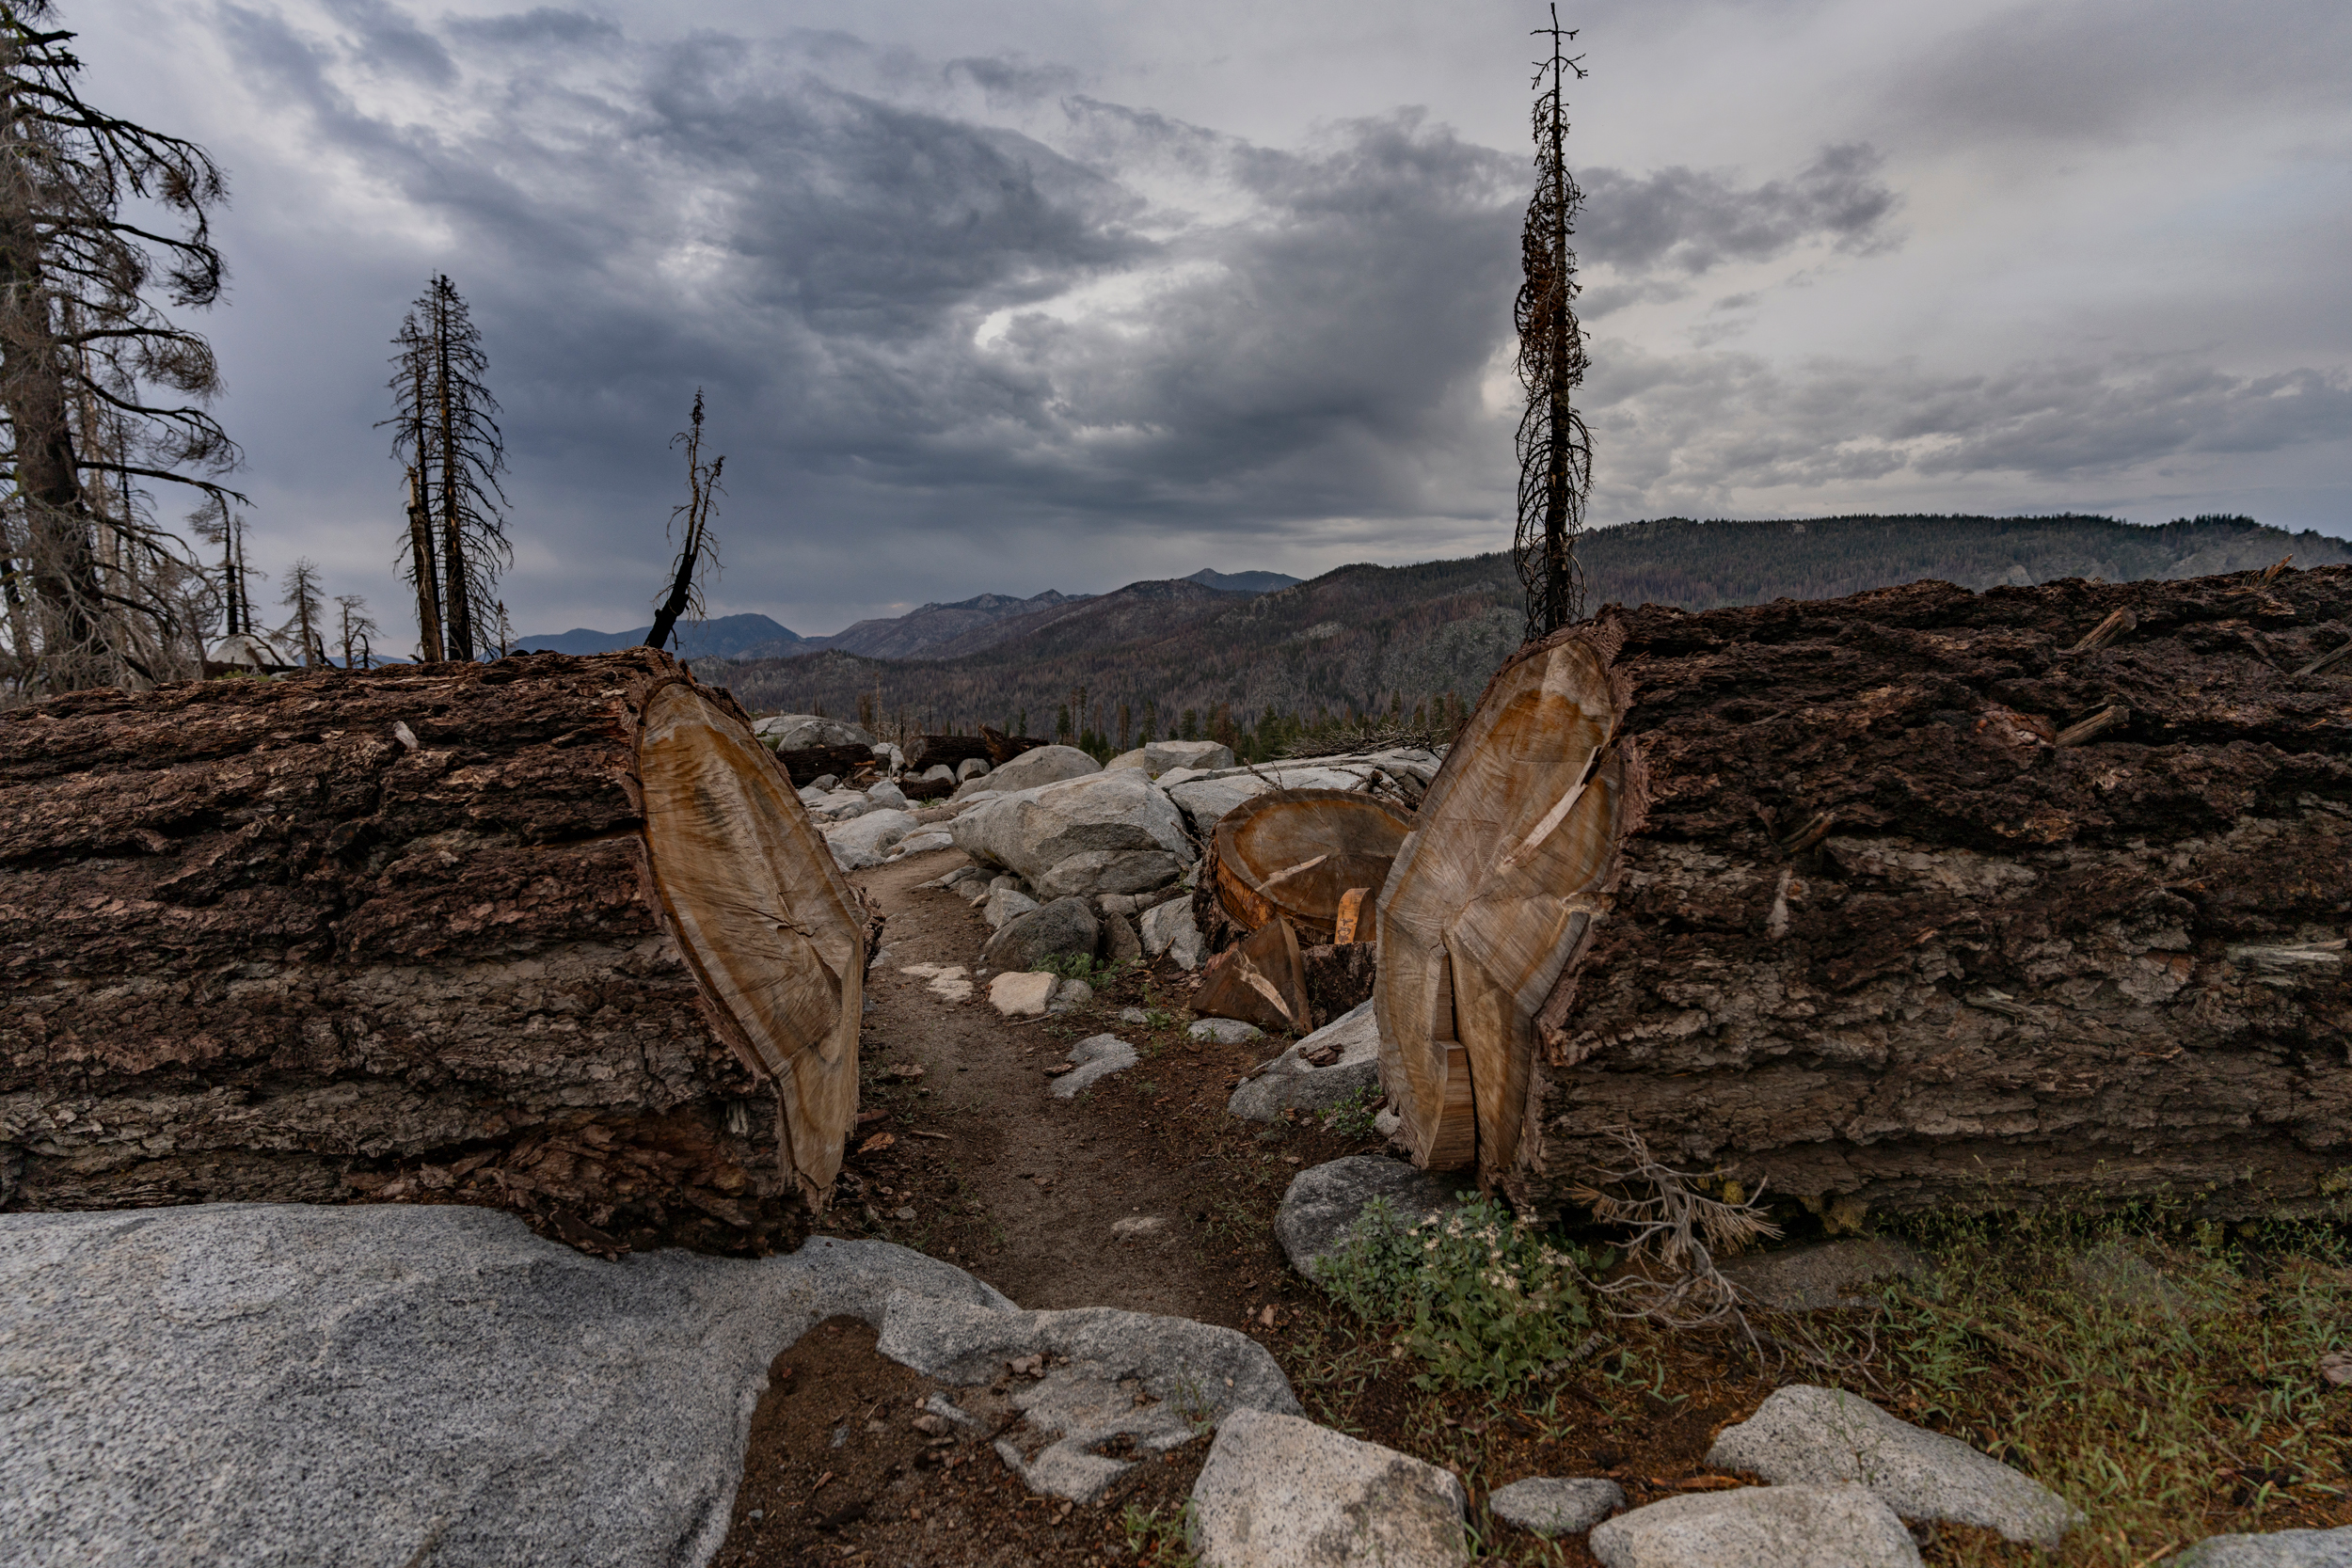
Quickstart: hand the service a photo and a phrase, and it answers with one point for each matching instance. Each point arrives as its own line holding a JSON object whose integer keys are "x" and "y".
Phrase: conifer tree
{"x": 1555, "y": 453}
{"x": 445, "y": 433}
{"x": 101, "y": 393}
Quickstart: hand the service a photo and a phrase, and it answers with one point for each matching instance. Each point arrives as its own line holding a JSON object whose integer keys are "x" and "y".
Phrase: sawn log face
{"x": 388, "y": 934}
{"x": 1879, "y": 941}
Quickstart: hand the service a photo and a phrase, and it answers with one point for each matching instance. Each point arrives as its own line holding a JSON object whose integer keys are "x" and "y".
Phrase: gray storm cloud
{"x": 967, "y": 324}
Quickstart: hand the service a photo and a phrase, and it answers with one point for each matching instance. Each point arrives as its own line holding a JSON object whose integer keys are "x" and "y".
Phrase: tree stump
{"x": 1299, "y": 852}
{"x": 1916, "y": 898}
{"x": 550, "y": 933}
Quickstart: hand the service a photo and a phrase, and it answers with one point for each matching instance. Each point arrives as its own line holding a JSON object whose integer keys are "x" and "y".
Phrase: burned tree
{"x": 358, "y": 626}
{"x": 696, "y": 549}
{"x": 302, "y": 597}
{"x": 1555, "y": 453}
{"x": 98, "y": 591}
{"x": 445, "y": 433}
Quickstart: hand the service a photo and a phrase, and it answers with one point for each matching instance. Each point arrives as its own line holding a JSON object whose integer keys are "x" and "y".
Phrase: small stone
{"x": 1064, "y": 928}
{"x": 1321, "y": 1202}
{"x": 1552, "y": 1506}
{"x": 1134, "y": 1015}
{"x": 2282, "y": 1548}
{"x": 1095, "y": 1057}
{"x": 971, "y": 768}
{"x": 1224, "y": 1031}
{"x": 824, "y": 781}
{"x": 1005, "y": 903}
{"x": 1282, "y": 1492}
{"x": 1809, "y": 1436}
{"x": 902, "y": 1213}
{"x": 1023, "y": 995}
{"x": 888, "y": 796}
{"x": 1072, "y": 997}
{"x": 1139, "y": 1225}
{"x": 1121, "y": 943}
{"x": 1758, "y": 1526}
{"x": 1168, "y": 928}
{"x": 1350, "y": 1046}
{"x": 931, "y": 1425}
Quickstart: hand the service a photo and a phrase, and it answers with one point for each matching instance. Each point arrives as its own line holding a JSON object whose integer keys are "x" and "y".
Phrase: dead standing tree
{"x": 696, "y": 549}
{"x": 1555, "y": 452}
{"x": 445, "y": 433}
{"x": 97, "y": 592}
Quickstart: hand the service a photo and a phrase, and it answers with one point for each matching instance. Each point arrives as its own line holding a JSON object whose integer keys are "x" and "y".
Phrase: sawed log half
{"x": 550, "y": 933}
{"x": 1851, "y": 904}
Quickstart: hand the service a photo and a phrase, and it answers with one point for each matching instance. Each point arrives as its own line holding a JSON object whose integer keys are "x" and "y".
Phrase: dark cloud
{"x": 390, "y": 43}
{"x": 1700, "y": 430}
{"x": 1684, "y": 221}
{"x": 542, "y": 25}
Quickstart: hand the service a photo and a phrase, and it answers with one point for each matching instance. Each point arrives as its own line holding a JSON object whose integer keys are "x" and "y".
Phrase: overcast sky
{"x": 1002, "y": 297}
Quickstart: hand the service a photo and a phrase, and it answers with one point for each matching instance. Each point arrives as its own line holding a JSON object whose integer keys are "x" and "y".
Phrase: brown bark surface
{"x": 394, "y": 934}
{"x": 1892, "y": 926}
{"x": 808, "y": 764}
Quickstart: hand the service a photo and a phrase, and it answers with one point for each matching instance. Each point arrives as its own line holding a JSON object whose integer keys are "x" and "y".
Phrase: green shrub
{"x": 1083, "y": 966}
{"x": 1482, "y": 1298}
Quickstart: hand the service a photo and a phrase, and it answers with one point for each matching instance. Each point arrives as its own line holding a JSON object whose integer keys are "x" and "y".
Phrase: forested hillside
{"x": 1380, "y": 639}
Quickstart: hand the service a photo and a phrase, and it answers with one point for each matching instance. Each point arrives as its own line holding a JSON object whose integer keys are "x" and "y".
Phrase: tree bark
{"x": 551, "y": 934}
{"x": 1874, "y": 919}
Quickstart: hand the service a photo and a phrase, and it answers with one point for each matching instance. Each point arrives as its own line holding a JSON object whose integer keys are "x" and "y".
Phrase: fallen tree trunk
{"x": 930, "y": 750}
{"x": 807, "y": 764}
{"x": 1297, "y": 853}
{"x": 550, "y": 933}
{"x": 1916, "y": 898}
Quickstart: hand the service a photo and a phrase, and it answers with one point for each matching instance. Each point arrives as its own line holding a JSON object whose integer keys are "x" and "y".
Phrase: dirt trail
{"x": 1049, "y": 1178}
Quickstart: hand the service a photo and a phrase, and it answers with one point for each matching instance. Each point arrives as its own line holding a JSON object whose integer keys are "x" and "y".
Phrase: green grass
{"x": 2165, "y": 1379}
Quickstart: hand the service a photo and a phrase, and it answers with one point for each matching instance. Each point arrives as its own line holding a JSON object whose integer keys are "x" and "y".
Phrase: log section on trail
{"x": 1916, "y": 898}
{"x": 1299, "y": 852}
{"x": 550, "y": 933}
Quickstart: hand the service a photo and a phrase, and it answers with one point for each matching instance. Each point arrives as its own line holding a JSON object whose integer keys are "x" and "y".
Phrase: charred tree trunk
{"x": 1916, "y": 898}
{"x": 551, "y": 934}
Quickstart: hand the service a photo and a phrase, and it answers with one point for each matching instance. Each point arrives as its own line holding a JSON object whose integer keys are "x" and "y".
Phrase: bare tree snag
{"x": 546, "y": 933}
{"x": 1863, "y": 932}
{"x": 1297, "y": 852}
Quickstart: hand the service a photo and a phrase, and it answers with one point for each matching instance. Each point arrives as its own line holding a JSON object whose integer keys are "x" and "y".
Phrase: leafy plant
{"x": 1353, "y": 1117}
{"x": 1084, "y": 966}
{"x": 1484, "y": 1298}
{"x": 1156, "y": 1539}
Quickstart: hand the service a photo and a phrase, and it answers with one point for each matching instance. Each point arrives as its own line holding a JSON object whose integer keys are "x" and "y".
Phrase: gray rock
{"x": 1071, "y": 995}
{"x": 281, "y": 1384}
{"x": 1224, "y": 1031}
{"x": 798, "y": 732}
{"x": 1157, "y": 756}
{"x": 1758, "y": 1526}
{"x": 1134, "y": 1015}
{"x": 888, "y": 796}
{"x": 1322, "y": 1201}
{"x": 1064, "y": 928}
{"x": 1097, "y": 871}
{"x": 1101, "y": 815}
{"x": 971, "y": 768}
{"x": 1809, "y": 1436}
{"x": 1006, "y": 903}
{"x": 2284, "y": 1548}
{"x": 1098, "y": 1056}
{"x": 823, "y": 781}
{"x": 1044, "y": 765}
{"x": 1204, "y": 799}
{"x": 1552, "y": 1506}
{"x": 865, "y": 840}
{"x": 922, "y": 843}
{"x": 1811, "y": 1279}
{"x": 1279, "y": 1491}
{"x": 1293, "y": 1082}
{"x": 1119, "y": 942}
{"x": 1191, "y": 1374}
{"x": 938, "y": 771}
{"x": 1170, "y": 928}
{"x": 1024, "y": 995}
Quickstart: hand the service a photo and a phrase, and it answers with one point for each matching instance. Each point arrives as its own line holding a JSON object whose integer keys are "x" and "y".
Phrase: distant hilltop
{"x": 1380, "y": 638}
{"x": 933, "y": 631}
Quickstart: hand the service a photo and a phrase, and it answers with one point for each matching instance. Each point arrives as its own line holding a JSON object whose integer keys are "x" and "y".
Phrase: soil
{"x": 962, "y": 1154}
